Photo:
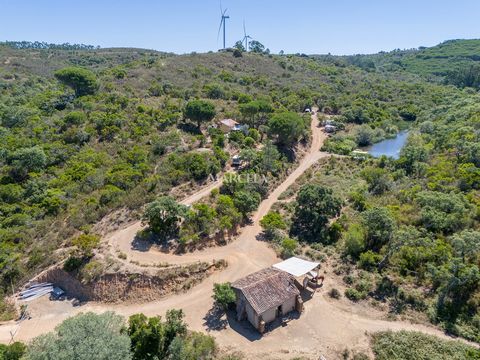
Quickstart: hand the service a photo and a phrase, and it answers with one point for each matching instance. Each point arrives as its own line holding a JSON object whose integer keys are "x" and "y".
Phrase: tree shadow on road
{"x": 140, "y": 244}
{"x": 215, "y": 319}
{"x": 145, "y": 239}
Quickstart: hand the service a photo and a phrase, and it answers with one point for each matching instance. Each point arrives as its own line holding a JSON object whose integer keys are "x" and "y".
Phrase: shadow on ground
{"x": 141, "y": 244}
{"x": 217, "y": 319}
{"x": 144, "y": 240}
{"x": 282, "y": 322}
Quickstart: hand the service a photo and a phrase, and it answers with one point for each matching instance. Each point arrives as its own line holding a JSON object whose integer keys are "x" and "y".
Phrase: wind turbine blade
{"x": 244, "y": 31}
{"x": 220, "y": 28}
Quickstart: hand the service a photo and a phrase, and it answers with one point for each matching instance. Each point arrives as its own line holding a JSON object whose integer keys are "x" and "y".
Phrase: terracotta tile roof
{"x": 229, "y": 122}
{"x": 266, "y": 289}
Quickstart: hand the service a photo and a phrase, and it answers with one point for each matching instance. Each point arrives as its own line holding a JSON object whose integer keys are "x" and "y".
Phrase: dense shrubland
{"x": 410, "y": 226}
{"x": 219, "y": 216}
{"x": 435, "y": 63}
{"x": 85, "y": 132}
{"x": 404, "y": 345}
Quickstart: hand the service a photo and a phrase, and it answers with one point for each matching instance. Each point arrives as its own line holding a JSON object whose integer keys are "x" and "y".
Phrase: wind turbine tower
{"x": 222, "y": 23}
{"x": 245, "y": 36}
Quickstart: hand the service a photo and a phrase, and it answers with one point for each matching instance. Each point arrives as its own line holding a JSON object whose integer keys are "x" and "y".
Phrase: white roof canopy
{"x": 295, "y": 266}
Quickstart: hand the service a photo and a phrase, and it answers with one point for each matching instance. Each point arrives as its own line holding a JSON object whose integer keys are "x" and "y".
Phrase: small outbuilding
{"x": 265, "y": 296}
{"x": 227, "y": 125}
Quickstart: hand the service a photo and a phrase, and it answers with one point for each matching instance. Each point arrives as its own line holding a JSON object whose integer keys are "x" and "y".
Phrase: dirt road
{"x": 121, "y": 240}
{"x": 326, "y": 327}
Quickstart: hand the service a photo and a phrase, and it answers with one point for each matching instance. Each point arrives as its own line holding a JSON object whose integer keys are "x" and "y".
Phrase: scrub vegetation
{"x": 85, "y": 132}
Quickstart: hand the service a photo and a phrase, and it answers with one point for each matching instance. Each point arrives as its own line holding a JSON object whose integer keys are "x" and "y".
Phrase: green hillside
{"x": 443, "y": 58}
{"x": 436, "y": 61}
{"x": 87, "y": 132}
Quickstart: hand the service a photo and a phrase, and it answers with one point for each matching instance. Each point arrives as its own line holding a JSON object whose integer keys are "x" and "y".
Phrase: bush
{"x": 193, "y": 347}
{"x": 369, "y": 260}
{"x": 237, "y": 53}
{"x": 379, "y": 180}
{"x": 288, "y": 247}
{"x": 272, "y": 222}
{"x": 364, "y": 135}
{"x": 404, "y": 345}
{"x": 223, "y": 295}
{"x": 8, "y": 310}
{"x": 75, "y": 118}
{"x": 72, "y": 263}
{"x": 248, "y": 142}
{"x": 358, "y": 200}
{"x": 379, "y": 227}
{"x": 254, "y": 134}
{"x": 334, "y": 293}
{"x": 354, "y": 240}
{"x": 335, "y": 232}
{"x": 14, "y": 351}
{"x": 354, "y": 294}
{"x": 91, "y": 271}
{"x": 26, "y": 160}
{"x": 86, "y": 243}
{"x": 214, "y": 91}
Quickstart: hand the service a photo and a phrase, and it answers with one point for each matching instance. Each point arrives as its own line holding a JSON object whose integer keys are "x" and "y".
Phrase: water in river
{"x": 389, "y": 147}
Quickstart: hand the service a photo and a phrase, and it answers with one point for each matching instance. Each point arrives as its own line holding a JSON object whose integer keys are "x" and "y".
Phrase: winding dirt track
{"x": 326, "y": 327}
{"x": 245, "y": 242}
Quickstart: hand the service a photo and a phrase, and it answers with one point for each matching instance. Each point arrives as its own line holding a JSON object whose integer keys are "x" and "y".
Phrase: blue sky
{"x": 308, "y": 26}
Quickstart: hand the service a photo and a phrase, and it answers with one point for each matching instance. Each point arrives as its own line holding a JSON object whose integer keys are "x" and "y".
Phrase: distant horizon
{"x": 344, "y": 27}
{"x": 95, "y": 47}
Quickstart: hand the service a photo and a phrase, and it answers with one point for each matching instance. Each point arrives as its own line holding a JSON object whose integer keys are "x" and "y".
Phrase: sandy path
{"x": 325, "y": 327}
{"x": 121, "y": 240}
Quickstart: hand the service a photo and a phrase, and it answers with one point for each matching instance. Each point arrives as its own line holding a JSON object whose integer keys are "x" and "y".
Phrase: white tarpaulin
{"x": 295, "y": 266}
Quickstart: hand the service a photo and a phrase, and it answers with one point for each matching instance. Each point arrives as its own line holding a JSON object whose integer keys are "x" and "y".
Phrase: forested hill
{"x": 443, "y": 61}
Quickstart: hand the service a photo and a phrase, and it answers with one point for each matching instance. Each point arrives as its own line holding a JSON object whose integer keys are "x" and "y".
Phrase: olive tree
{"x": 163, "y": 216}
{"x": 84, "y": 337}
